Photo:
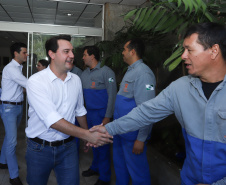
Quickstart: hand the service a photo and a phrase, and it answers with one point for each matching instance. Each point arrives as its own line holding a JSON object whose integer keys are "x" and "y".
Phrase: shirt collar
{"x": 135, "y": 64}
{"x": 96, "y": 67}
{"x": 52, "y": 76}
{"x": 16, "y": 63}
{"x": 197, "y": 82}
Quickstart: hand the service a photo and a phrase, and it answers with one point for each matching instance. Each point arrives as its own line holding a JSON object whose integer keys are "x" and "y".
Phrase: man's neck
{"x": 215, "y": 75}
{"x": 17, "y": 61}
{"x": 134, "y": 60}
{"x": 60, "y": 74}
{"x": 93, "y": 65}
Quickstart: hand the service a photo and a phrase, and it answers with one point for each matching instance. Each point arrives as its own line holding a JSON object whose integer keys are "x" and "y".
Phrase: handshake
{"x": 98, "y": 136}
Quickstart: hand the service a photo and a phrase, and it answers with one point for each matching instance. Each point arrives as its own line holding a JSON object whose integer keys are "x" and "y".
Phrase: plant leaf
{"x": 130, "y": 14}
{"x": 176, "y": 53}
{"x": 137, "y": 15}
{"x": 175, "y": 64}
{"x": 142, "y": 16}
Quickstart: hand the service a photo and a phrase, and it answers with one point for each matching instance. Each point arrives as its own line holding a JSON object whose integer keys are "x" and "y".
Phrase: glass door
{"x": 36, "y": 50}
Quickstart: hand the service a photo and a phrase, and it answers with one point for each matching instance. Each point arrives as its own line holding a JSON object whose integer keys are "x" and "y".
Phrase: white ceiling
{"x": 55, "y": 11}
{"x": 52, "y": 12}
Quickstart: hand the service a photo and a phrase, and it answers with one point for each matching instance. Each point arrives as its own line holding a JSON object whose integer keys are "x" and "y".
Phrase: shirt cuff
{"x": 52, "y": 118}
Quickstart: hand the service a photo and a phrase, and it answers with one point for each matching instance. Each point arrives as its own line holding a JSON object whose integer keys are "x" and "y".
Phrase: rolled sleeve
{"x": 52, "y": 118}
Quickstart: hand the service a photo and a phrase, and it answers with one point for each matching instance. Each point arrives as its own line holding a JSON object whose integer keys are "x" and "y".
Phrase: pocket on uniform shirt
{"x": 221, "y": 121}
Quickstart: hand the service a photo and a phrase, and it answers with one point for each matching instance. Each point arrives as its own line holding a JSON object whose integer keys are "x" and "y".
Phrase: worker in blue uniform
{"x": 137, "y": 86}
{"x": 99, "y": 88}
{"x": 199, "y": 103}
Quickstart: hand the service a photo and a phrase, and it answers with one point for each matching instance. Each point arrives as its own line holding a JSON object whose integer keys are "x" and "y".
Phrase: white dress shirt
{"x": 13, "y": 82}
{"x": 50, "y": 100}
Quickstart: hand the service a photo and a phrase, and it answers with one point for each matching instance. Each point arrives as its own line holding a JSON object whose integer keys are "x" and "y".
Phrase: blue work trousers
{"x": 128, "y": 165}
{"x": 11, "y": 117}
{"x": 41, "y": 160}
{"x": 101, "y": 155}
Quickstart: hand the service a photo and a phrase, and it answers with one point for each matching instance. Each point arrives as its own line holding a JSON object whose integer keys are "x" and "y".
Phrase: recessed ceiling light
{"x": 69, "y": 14}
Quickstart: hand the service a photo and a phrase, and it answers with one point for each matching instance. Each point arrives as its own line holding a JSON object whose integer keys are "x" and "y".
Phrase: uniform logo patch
{"x": 93, "y": 85}
{"x": 125, "y": 88}
{"x": 149, "y": 87}
{"x": 110, "y": 80}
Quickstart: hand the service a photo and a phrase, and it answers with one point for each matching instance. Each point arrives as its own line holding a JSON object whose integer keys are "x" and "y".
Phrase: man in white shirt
{"x": 13, "y": 82}
{"x": 55, "y": 98}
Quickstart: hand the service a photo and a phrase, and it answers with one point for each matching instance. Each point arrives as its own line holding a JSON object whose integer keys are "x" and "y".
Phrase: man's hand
{"x": 105, "y": 121}
{"x": 138, "y": 147}
{"x": 100, "y": 129}
{"x": 85, "y": 147}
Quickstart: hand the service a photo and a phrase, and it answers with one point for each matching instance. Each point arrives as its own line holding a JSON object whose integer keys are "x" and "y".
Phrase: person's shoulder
{"x": 143, "y": 67}
{"x": 38, "y": 75}
{"x": 9, "y": 66}
{"x": 74, "y": 76}
{"x": 85, "y": 72}
{"x": 107, "y": 69}
{"x": 181, "y": 82}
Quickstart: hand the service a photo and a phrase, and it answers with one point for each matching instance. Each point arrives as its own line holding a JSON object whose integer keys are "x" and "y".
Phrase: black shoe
{"x": 100, "y": 182}
{"x": 3, "y": 166}
{"x": 89, "y": 173}
{"x": 15, "y": 181}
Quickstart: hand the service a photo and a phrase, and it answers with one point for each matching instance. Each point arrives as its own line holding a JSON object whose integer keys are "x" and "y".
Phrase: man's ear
{"x": 215, "y": 51}
{"x": 15, "y": 54}
{"x": 133, "y": 51}
{"x": 51, "y": 54}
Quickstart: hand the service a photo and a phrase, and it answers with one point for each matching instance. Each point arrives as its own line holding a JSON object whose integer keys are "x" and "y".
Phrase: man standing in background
{"x": 137, "y": 86}
{"x": 13, "y": 82}
{"x": 99, "y": 89}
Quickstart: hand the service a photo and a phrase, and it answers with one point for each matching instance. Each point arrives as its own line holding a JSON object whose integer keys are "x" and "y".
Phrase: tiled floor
{"x": 159, "y": 171}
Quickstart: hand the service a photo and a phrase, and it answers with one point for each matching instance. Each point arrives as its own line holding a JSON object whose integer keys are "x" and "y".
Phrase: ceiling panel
{"x": 44, "y": 11}
{"x": 14, "y": 2}
{"x": 133, "y": 2}
{"x": 105, "y": 1}
{"x": 89, "y": 14}
{"x": 17, "y": 9}
{"x": 55, "y": 11}
{"x": 93, "y": 8}
{"x": 42, "y": 4}
{"x": 71, "y": 6}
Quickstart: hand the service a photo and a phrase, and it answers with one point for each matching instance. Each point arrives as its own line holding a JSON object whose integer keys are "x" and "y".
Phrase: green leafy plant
{"x": 174, "y": 17}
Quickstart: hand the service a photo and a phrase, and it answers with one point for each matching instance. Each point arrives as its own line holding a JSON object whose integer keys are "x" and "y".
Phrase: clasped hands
{"x": 101, "y": 136}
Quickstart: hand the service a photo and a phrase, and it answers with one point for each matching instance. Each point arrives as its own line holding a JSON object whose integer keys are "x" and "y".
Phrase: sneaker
{"x": 15, "y": 181}
{"x": 100, "y": 182}
{"x": 89, "y": 173}
{"x": 3, "y": 166}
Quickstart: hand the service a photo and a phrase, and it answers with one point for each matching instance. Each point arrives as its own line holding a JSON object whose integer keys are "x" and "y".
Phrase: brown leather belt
{"x": 12, "y": 103}
{"x": 54, "y": 143}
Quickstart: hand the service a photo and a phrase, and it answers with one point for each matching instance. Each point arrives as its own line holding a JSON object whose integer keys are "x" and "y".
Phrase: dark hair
{"x": 138, "y": 45}
{"x": 44, "y": 62}
{"x": 93, "y": 50}
{"x": 52, "y": 43}
{"x": 16, "y": 47}
{"x": 209, "y": 34}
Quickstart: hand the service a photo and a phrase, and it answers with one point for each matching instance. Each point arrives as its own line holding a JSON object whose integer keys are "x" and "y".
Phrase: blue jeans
{"x": 11, "y": 117}
{"x": 41, "y": 160}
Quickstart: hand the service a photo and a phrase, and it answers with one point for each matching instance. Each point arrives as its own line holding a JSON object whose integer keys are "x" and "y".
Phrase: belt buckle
{"x": 50, "y": 144}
